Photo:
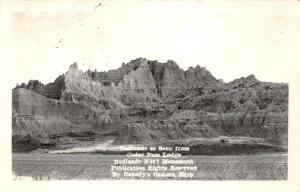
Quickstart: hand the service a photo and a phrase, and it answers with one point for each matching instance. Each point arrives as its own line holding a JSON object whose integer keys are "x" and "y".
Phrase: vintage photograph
{"x": 150, "y": 90}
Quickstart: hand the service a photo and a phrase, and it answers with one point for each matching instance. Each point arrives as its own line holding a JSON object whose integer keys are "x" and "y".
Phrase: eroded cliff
{"x": 148, "y": 102}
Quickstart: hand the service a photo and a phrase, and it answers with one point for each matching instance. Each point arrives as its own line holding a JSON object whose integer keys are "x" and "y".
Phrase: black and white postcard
{"x": 151, "y": 91}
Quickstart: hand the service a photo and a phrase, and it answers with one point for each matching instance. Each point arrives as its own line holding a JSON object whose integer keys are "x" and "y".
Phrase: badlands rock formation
{"x": 147, "y": 102}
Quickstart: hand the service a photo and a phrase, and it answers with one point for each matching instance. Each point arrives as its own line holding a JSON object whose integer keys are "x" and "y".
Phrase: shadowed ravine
{"x": 150, "y": 103}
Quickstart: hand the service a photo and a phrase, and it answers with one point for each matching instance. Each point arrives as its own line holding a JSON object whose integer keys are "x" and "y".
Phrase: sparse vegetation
{"x": 248, "y": 167}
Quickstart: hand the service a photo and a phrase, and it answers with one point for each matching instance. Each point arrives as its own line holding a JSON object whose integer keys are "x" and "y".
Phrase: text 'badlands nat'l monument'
{"x": 77, "y": 126}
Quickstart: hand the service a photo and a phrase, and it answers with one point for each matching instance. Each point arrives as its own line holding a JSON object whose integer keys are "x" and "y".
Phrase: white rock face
{"x": 148, "y": 101}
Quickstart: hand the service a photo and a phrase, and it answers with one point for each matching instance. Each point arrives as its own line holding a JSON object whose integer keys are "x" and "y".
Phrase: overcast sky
{"x": 231, "y": 38}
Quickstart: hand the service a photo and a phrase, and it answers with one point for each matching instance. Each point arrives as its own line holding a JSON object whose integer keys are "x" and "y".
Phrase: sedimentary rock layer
{"x": 151, "y": 102}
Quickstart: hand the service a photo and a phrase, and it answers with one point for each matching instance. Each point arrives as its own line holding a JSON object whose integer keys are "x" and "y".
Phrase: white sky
{"x": 230, "y": 38}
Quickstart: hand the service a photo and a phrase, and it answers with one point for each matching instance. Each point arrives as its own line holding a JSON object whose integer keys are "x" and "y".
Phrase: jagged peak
{"x": 199, "y": 68}
{"x": 143, "y": 63}
{"x": 251, "y": 77}
{"x": 250, "y": 80}
{"x": 74, "y": 66}
{"x": 155, "y": 68}
{"x": 171, "y": 61}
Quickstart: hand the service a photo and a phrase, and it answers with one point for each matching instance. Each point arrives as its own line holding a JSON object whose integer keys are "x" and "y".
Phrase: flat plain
{"x": 38, "y": 166}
